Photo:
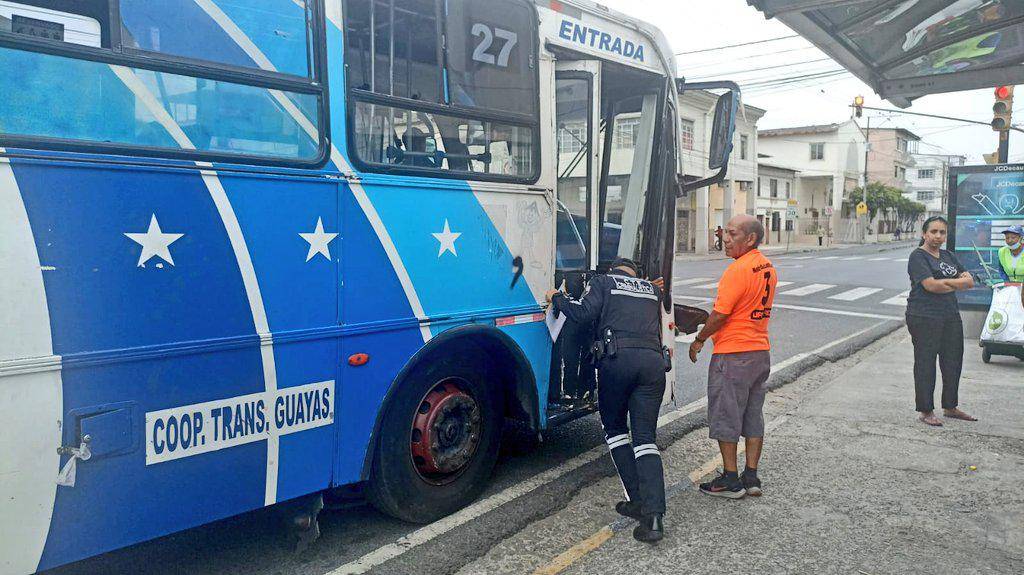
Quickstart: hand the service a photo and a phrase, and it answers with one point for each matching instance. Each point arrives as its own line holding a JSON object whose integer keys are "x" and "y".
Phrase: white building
{"x": 829, "y": 160}
{"x": 700, "y": 212}
{"x": 776, "y": 185}
{"x": 928, "y": 181}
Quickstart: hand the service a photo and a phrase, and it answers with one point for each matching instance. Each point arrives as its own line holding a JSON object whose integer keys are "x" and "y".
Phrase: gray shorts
{"x": 736, "y": 391}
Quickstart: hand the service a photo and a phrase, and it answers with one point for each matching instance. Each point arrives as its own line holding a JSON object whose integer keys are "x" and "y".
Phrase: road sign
{"x": 862, "y": 209}
{"x": 829, "y": 211}
{"x": 791, "y": 213}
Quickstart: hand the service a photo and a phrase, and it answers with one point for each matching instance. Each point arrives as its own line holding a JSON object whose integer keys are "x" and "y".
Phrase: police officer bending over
{"x": 631, "y": 379}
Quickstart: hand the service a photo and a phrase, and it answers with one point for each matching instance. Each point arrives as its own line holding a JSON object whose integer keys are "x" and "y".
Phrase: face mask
{"x": 1013, "y": 247}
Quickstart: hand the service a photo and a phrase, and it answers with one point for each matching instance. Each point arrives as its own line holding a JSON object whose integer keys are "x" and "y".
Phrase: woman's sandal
{"x": 930, "y": 420}
{"x": 957, "y": 414}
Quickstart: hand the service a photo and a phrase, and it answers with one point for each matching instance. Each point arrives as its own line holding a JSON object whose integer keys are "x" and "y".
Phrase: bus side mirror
{"x": 722, "y": 128}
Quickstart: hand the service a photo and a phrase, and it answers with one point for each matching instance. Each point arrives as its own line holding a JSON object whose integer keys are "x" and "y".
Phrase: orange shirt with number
{"x": 745, "y": 293}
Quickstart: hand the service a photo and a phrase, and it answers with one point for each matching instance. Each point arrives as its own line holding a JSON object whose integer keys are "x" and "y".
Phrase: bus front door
{"x": 577, "y": 122}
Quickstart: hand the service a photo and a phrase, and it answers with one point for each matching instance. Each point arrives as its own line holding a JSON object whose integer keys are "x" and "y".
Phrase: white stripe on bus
{"x": 31, "y": 392}
{"x": 242, "y": 257}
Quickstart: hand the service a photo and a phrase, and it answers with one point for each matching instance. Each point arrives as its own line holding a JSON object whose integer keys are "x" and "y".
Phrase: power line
{"x": 750, "y": 70}
{"x": 738, "y": 45}
{"x": 751, "y": 57}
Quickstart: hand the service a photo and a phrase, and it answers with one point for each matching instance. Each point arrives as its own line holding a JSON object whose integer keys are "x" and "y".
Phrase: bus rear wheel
{"x": 438, "y": 442}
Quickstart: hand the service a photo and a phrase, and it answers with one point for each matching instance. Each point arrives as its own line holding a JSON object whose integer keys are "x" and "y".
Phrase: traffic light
{"x": 1003, "y": 109}
{"x": 858, "y": 106}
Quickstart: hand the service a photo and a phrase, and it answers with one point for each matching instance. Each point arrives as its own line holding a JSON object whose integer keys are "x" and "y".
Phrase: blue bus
{"x": 254, "y": 251}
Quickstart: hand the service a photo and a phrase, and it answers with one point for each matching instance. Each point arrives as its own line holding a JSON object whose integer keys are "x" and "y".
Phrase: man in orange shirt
{"x": 739, "y": 369}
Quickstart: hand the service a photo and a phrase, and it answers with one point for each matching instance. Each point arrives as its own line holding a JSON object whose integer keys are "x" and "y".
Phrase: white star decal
{"x": 154, "y": 242}
{"x": 318, "y": 241}
{"x": 447, "y": 239}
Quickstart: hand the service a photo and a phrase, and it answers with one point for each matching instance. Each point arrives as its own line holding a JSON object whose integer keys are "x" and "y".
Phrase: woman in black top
{"x": 933, "y": 318}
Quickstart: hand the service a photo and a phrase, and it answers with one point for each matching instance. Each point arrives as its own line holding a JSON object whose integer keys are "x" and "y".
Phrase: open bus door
{"x": 616, "y": 168}
{"x": 578, "y": 133}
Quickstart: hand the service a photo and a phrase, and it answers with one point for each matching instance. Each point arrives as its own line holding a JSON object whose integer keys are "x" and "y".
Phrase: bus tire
{"x": 986, "y": 355}
{"x": 448, "y": 403}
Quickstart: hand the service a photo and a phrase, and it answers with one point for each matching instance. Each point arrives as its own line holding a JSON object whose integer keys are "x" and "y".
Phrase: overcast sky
{"x": 701, "y": 24}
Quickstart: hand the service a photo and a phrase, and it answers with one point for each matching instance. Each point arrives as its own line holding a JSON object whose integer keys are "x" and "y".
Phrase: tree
{"x": 890, "y": 204}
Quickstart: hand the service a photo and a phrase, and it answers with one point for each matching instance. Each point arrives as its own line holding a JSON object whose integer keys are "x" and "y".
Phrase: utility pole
{"x": 867, "y": 152}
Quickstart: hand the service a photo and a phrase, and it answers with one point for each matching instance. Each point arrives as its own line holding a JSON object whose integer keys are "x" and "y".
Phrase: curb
{"x": 839, "y": 352}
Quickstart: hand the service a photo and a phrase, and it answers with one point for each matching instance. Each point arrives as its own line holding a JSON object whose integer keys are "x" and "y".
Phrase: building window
{"x": 901, "y": 172}
{"x": 818, "y": 151}
{"x": 788, "y": 190}
{"x": 926, "y": 174}
{"x": 744, "y": 145}
{"x": 626, "y": 130}
{"x": 901, "y": 144}
{"x": 925, "y": 196}
{"x": 687, "y": 133}
{"x": 773, "y": 187}
{"x": 571, "y": 138}
{"x": 746, "y": 186}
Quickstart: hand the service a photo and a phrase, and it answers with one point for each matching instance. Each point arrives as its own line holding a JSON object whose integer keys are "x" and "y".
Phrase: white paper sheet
{"x": 554, "y": 323}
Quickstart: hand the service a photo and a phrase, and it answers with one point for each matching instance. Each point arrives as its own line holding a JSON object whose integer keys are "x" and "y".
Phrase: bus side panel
{"x": 144, "y": 322}
{"x": 535, "y": 342}
{"x": 377, "y": 312}
{"x": 291, "y": 228}
{"x": 458, "y": 262}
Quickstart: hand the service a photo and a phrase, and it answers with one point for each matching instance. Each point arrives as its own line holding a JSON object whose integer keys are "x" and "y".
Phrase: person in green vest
{"x": 1011, "y": 256}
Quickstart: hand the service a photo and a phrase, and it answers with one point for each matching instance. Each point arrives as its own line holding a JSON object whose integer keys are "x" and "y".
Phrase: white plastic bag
{"x": 1005, "y": 321}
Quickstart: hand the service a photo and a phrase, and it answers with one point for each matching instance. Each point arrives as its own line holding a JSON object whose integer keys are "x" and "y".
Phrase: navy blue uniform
{"x": 632, "y": 381}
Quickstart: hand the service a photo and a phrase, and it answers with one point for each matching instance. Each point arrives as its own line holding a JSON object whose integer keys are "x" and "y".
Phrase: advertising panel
{"x": 983, "y": 201}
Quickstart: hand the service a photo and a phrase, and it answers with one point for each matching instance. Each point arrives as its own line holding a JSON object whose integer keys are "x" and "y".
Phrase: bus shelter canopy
{"x": 905, "y": 49}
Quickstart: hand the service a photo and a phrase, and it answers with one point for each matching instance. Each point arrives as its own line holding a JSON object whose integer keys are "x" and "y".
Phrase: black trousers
{"x": 633, "y": 383}
{"x": 941, "y": 337}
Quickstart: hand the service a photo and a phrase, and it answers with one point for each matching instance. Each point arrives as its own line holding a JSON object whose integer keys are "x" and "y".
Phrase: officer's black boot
{"x": 651, "y": 528}
{"x": 629, "y": 509}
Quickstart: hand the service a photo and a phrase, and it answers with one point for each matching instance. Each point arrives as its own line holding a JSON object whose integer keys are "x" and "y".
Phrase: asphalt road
{"x": 818, "y": 307}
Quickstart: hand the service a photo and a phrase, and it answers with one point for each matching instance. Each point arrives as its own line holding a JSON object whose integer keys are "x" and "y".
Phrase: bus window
{"x": 406, "y": 48}
{"x": 625, "y": 184}
{"x": 475, "y": 119}
{"x": 190, "y": 28}
{"x": 54, "y": 20}
{"x": 490, "y": 57}
{"x": 404, "y": 138}
{"x": 131, "y": 93}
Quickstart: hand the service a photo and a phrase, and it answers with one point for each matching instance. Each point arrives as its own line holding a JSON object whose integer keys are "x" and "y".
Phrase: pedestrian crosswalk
{"x": 808, "y": 289}
{"x": 791, "y": 291}
{"x": 855, "y": 294}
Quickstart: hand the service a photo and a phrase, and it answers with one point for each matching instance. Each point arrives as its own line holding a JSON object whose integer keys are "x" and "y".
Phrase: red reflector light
{"x": 358, "y": 359}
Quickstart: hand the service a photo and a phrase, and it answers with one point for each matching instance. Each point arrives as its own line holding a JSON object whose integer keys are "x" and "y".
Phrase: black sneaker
{"x": 629, "y": 509}
{"x": 751, "y": 483}
{"x": 722, "y": 486}
{"x": 651, "y": 529}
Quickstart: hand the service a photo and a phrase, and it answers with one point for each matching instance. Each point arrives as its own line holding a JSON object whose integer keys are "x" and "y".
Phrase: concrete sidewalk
{"x": 853, "y": 484}
{"x": 775, "y": 250}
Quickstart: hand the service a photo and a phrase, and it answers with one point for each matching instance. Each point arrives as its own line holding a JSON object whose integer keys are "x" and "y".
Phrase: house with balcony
{"x": 891, "y": 156}
{"x": 828, "y": 161}
{"x": 700, "y": 212}
{"x": 776, "y": 186}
